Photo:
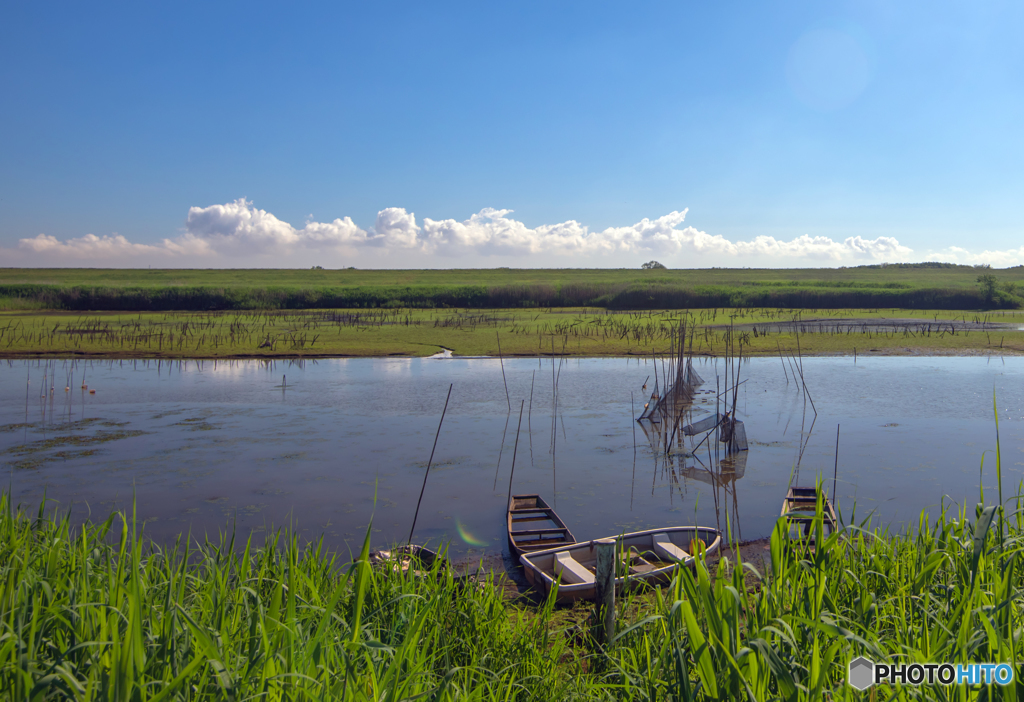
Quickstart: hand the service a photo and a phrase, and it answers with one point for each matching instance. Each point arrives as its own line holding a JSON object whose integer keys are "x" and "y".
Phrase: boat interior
{"x": 534, "y": 526}
{"x": 640, "y": 555}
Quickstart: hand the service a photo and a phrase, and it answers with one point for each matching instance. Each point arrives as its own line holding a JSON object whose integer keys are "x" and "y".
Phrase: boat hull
{"x": 637, "y": 560}
{"x": 528, "y": 512}
{"x": 419, "y": 559}
{"x": 800, "y": 508}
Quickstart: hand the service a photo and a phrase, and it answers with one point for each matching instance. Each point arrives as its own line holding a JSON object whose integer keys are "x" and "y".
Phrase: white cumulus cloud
{"x": 395, "y": 228}
{"x": 238, "y": 227}
{"x": 238, "y": 233}
{"x": 822, "y": 248}
{"x": 86, "y": 247}
{"x": 998, "y": 258}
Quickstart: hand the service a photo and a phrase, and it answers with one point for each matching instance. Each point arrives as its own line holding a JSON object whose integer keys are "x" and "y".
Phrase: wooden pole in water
{"x": 605, "y": 590}
{"x": 501, "y": 450}
{"x": 431, "y": 460}
{"x": 554, "y": 398}
{"x": 718, "y": 413}
{"x": 503, "y": 372}
{"x": 835, "y": 470}
{"x": 516, "y": 448}
{"x": 632, "y": 420}
{"x": 529, "y": 414}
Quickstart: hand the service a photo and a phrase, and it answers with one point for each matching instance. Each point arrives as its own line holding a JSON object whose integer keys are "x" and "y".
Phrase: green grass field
{"x": 893, "y": 276}
{"x": 912, "y": 287}
{"x": 580, "y": 332}
{"x": 257, "y": 313}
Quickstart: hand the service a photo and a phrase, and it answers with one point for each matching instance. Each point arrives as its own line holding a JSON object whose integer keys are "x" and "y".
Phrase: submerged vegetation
{"x": 99, "y": 612}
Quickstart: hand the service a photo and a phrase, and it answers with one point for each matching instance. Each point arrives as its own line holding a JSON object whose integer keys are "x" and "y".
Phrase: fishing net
{"x": 668, "y": 405}
{"x": 731, "y": 431}
{"x": 737, "y": 437}
{"x": 676, "y": 399}
{"x": 703, "y": 426}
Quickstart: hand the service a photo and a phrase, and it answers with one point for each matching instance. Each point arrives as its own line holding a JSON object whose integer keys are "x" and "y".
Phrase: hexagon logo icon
{"x": 862, "y": 673}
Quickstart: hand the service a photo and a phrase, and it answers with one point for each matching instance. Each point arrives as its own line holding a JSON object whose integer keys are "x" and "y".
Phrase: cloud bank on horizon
{"x": 239, "y": 234}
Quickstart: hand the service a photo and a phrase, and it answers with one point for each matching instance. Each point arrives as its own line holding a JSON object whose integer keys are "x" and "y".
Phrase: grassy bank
{"x": 590, "y": 332}
{"x": 922, "y": 286}
{"x": 99, "y": 612}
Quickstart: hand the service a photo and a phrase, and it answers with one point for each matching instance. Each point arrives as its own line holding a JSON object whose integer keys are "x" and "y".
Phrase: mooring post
{"x": 605, "y": 582}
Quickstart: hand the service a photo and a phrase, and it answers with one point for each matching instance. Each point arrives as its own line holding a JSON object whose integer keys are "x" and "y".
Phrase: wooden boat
{"x": 419, "y": 559}
{"x": 531, "y": 512}
{"x": 799, "y": 508}
{"x": 650, "y": 556}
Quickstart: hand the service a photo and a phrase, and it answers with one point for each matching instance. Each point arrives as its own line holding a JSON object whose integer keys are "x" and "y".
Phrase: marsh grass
{"x": 941, "y": 286}
{"x": 573, "y": 331}
{"x": 99, "y": 612}
{"x": 617, "y": 296}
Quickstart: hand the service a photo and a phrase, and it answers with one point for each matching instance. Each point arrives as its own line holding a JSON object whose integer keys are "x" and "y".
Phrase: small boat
{"x": 799, "y": 509}
{"x": 649, "y": 556}
{"x": 530, "y": 510}
{"x": 419, "y": 559}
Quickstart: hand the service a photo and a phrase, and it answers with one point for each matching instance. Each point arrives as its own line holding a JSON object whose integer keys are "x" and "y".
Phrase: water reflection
{"x": 325, "y": 445}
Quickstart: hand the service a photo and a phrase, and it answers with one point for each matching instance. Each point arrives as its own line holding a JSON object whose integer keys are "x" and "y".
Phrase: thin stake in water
{"x": 502, "y": 362}
{"x": 835, "y": 470}
{"x": 501, "y": 450}
{"x": 514, "y": 450}
{"x": 431, "y": 460}
{"x": 632, "y": 413}
{"x": 529, "y": 414}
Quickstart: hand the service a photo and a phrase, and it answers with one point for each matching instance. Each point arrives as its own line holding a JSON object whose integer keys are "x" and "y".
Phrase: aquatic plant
{"x": 99, "y": 612}
{"x": 573, "y": 331}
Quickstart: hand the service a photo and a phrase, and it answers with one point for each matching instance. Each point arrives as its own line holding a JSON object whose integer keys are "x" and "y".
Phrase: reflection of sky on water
{"x": 226, "y": 441}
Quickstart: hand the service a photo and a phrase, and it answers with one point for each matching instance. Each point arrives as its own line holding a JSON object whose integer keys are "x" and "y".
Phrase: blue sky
{"x": 526, "y": 134}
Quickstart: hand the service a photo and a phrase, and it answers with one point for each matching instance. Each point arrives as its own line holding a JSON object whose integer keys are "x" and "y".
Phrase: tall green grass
{"x": 100, "y": 613}
{"x": 612, "y": 295}
{"x": 8, "y": 303}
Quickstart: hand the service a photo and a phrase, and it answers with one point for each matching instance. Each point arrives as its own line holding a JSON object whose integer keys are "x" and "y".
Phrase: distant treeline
{"x": 611, "y": 296}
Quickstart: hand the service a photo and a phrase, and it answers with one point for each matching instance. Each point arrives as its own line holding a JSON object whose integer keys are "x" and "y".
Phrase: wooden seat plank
{"x": 530, "y": 532}
{"x": 664, "y": 547}
{"x": 545, "y": 544}
{"x": 571, "y": 570}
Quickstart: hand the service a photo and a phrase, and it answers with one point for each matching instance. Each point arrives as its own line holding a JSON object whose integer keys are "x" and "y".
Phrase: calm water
{"x": 203, "y": 445}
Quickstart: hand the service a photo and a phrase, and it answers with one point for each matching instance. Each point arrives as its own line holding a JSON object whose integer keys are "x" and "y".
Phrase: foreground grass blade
{"x": 97, "y": 612}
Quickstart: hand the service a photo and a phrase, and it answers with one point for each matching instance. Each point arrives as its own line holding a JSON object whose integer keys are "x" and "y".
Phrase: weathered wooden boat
{"x": 534, "y": 526}
{"x": 649, "y": 556}
{"x": 799, "y": 509}
{"x": 419, "y": 559}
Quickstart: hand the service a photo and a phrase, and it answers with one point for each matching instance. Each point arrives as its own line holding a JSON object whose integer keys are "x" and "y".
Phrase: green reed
{"x": 99, "y": 612}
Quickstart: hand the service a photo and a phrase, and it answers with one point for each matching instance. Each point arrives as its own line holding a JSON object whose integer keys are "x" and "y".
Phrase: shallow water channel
{"x": 324, "y": 445}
